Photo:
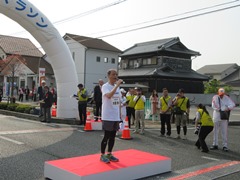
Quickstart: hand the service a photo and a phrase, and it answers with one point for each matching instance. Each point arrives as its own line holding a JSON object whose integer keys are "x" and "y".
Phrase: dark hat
{"x": 181, "y": 90}
{"x": 80, "y": 85}
{"x": 138, "y": 88}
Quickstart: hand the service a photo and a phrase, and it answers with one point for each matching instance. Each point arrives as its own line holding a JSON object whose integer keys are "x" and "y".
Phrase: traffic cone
{"x": 54, "y": 110}
{"x": 126, "y": 131}
{"x": 88, "y": 126}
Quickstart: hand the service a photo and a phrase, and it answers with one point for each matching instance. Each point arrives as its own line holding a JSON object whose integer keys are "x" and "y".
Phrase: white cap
{"x": 122, "y": 90}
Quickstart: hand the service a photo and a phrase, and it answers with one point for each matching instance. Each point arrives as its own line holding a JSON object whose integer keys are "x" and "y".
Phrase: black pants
{"x": 82, "y": 109}
{"x": 21, "y": 97}
{"x": 130, "y": 113}
{"x": 108, "y": 139}
{"x": 165, "y": 120}
{"x": 203, "y": 133}
{"x": 98, "y": 110}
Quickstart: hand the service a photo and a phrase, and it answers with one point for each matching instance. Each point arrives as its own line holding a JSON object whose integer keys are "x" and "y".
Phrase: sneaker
{"x": 178, "y": 137}
{"x": 205, "y": 150}
{"x": 214, "y": 147}
{"x": 112, "y": 158}
{"x": 104, "y": 158}
{"x": 168, "y": 136}
{"x": 184, "y": 137}
{"x": 135, "y": 132}
{"x": 225, "y": 149}
{"x": 162, "y": 135}
{"x": 141, "y": 132}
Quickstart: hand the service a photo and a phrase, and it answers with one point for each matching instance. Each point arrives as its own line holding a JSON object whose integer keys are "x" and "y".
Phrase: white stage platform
{"x": 133, "y": 164}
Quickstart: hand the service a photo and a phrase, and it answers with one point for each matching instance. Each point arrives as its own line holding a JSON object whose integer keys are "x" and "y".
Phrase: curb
{"x": 73, "y": 121}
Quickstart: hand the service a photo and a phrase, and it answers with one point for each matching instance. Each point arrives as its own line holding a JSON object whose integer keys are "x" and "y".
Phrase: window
{"x": 106, "y": 60}
{"x": 149, "y": 61}
{"x": 98, "y": 59}
{"x": 113, "y": 60}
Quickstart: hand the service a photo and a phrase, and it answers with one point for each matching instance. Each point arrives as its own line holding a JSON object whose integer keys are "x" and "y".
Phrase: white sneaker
{"x": 178, "y": 137}
{"x": 184, "y": 137}
{"x": 135, "y": 132}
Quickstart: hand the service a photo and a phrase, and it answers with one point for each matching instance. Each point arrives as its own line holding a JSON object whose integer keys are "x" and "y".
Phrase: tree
{"x": 12, "y": 67}
{"x": 213, "y": 86}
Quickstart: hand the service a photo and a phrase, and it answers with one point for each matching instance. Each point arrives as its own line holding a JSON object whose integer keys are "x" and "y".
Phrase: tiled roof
{"x": 214, "y": 69}
{"x": 168, "y": 44}
{"x": 21, "y": 46}
{"x": 161, "y": 73}
{"x": 34, "y": 63}
{"x": 93, "y": 43}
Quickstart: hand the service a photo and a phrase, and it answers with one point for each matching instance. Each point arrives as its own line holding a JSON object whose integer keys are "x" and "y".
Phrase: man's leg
{"x": 80, "y": 113}
{"x": 163, "y": 119}
{"x": 97, "y": 111}
{"x": 48, "y": 114}
{"x": 84, "y": 111}
{"x": 224, "y": 132}
{"x": 168, "y": 122}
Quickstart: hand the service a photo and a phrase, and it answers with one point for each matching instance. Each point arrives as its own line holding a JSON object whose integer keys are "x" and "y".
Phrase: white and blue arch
{"x": 38, "y": 25}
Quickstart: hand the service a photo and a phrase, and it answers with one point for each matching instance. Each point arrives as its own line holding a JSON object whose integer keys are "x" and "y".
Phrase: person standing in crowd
{"x": 110, "y": 114}
{"x": 182, "y": 103}
{"x": 54, "y": 93}
{"x": 47, "y": 101}
{"x": 41, "y": 93}
{"x": 1, "y": 94}
{"x": 165, "y": 112}
{"x": 21, "y": 92}
{"x": 34, "y": 94}
{"x": 82, "y": 97}
{"x": 154, "y": 105}
{"x": 130, "y": 107}
{"x": 224, "y": 103}
{"x": 97, "y": 95}
{"x": 123, "y": 105}
{"x": 27, "y": 92}
{"x": 139, "y": 100}
{"x": 206, "y": 126}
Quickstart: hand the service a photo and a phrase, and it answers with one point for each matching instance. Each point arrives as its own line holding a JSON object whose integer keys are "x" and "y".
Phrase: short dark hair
{"x": 181, "y": 90}
{"x": 80, "y": 85}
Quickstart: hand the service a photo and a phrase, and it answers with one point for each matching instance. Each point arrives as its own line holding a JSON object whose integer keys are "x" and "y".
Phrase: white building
{"x": 92, "y": 57}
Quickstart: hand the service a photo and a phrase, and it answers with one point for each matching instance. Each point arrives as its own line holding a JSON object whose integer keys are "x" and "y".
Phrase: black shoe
{"x": 225, "y": 149}
{"x": 43, "y": 121}
{"x": 205, "y": 150}
{"x": 198, "y": 146}
{"x": 214, "y": 147}
{"x": 40, "y": 115}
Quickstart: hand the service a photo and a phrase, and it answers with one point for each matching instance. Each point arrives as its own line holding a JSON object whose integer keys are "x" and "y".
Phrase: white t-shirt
{"x": 110, "y": 106}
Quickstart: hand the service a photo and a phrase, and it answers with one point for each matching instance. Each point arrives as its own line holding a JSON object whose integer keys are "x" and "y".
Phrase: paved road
{"x": 25, "y": 145}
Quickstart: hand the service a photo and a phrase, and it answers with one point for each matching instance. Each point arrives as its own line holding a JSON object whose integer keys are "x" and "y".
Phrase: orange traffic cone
{"x": 54, "y": 110}
{"x": 126, "y": 131}
{"x": 88, "y": 126}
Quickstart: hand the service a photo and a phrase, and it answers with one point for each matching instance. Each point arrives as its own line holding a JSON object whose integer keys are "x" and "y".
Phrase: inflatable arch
{"x": 36, "y": 23}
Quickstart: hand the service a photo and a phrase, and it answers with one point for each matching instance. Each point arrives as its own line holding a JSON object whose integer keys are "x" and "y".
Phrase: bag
{"x": 177, "y": 110}
{"x": 223, "y": 115}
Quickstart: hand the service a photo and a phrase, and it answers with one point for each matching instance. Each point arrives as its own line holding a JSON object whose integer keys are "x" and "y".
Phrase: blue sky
{"x": 216, "y": 36}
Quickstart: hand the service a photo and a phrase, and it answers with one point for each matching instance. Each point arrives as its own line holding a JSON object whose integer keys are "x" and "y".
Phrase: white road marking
{"x": 11, "y": 140}
{"x": 214, "y": 159}
{"x": 36, "y": 131}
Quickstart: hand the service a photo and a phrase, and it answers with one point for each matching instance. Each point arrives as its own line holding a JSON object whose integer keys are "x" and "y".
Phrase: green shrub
{"x": 3, "y": 105}
{"x": 12, "y": 106}
{"x": 23, "y": 108}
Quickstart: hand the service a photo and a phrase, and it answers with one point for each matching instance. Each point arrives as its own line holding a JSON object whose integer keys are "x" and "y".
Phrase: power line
{"x": 171, "y": 21}
{"x": 71, "y": 18}
{"x": 167, "y": 17}
{"x": 174, "y": 20}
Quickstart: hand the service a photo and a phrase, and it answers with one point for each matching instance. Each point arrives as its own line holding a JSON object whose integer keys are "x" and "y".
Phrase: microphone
{"x": 123, "y": 82}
